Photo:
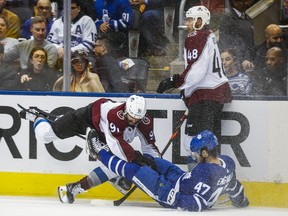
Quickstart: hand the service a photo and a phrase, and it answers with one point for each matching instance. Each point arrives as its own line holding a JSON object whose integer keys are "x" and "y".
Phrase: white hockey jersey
{"x": 108, "y": 118}
{"x": 203, "y": 77}
{"x": 83, "y": 34}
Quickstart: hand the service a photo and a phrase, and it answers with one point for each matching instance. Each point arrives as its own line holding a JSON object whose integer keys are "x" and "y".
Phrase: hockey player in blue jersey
{"x": 173, "y": 188}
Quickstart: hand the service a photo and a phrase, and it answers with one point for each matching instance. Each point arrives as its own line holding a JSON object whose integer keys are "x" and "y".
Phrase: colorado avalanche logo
{"x": 146, "y": 120}
{"x": 120, "y": 114}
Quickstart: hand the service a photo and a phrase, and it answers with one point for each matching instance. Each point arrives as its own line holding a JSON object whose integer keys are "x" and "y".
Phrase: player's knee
{"x": 43, "y": 131}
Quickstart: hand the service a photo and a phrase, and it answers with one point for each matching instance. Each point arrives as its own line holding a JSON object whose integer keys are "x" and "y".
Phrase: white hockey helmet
{"x": 199, "y": 12}
{"x": 136, "y": 106}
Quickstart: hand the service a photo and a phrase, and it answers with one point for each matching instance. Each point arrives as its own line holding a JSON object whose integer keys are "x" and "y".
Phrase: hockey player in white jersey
{"x": 171, "y": 187}
{"x": 203, "y": 84}
{"x": 114, "y": 123}
{"x": 83, "y": 31}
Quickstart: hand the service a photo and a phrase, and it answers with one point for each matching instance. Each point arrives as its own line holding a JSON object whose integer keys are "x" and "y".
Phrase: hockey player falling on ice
{"x": 203, "y": 84}
{"x": 117, "y": 125}
{"x": 173, "y": 188}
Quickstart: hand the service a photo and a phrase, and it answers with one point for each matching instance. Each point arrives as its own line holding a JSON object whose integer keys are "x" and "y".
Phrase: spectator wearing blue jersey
{"x": 171, "y": 187}
{"x": 43, "y": 9}
{"x": 113, "y": 19}
{"x": 239, "y": 82}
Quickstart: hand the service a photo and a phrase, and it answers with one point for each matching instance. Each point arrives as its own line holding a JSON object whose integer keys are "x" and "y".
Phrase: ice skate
{"x": 94, "y": 145}
{"x": 67, "y": 193}
{"x": 33, "y": 113}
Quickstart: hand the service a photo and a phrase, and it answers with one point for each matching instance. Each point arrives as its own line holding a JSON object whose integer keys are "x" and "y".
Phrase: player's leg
{"x": 97, "y": 177}
{"x": 147, "y": 179}
{"x": 192, "y": 119}
{"x": 68, "y": 125}
{"x": 203, "y": 115}
{"x": 94, "y": 139}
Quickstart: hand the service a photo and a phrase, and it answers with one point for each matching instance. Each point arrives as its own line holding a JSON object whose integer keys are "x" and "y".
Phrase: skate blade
{"x": 62, "y": 194}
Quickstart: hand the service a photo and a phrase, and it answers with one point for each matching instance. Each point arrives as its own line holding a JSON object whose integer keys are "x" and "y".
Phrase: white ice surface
{"x": 42, "y": 206}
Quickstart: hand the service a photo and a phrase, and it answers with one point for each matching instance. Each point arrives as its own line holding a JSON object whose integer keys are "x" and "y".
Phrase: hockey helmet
{"x": 206, "y": 139}
{"x": 79, "y": 55}
{"x": 136, "y": 106}
{"x": 199, "y": 12}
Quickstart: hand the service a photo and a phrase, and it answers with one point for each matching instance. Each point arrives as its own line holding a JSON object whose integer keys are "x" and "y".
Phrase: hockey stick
{"x": 175, "y": 132}
{"x": 45, "y": 115}
{"x": 121, "y": 200}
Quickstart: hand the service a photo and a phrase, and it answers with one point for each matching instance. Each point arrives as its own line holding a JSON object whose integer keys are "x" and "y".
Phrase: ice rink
{"x": 42, "y": 206}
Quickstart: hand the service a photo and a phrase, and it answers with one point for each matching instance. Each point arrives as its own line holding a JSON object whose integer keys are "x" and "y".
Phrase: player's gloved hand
{"x": 240, "y": 203}
{"x": 143, "y": 160}
{"x": 168, "y": 83}
{"x": 167, "y": 194}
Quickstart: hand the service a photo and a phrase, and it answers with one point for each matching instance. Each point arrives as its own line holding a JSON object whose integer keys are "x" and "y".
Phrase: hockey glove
{"x": 143, "y": 160}
{"x": 240, "y": 203}
{"x": 167, "y": 194}
{"x": 168, "y": 83}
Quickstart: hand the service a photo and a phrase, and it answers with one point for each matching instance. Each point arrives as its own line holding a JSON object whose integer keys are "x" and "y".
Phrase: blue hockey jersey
{"x": 117, "y": 12}
{"x": 171, "y": 187}
{"x": 192, "y": 191}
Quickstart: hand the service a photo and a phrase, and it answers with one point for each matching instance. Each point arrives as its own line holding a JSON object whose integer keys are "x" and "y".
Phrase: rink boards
{"x": 254, "y": 134}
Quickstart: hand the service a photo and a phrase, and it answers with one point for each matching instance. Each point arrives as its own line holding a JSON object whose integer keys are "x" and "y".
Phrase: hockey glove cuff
{"x": 167, "y": 195}
{"x": 168, "y": 83}
{"x": 143, "y": 160}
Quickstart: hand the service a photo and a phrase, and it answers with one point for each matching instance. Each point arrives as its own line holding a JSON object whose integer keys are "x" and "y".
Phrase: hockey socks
{"x": 118, "y": 166}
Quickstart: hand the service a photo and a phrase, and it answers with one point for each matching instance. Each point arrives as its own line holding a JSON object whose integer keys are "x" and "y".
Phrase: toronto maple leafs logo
{"x": 199, "y": 136}
{"x": 187, "y": 175}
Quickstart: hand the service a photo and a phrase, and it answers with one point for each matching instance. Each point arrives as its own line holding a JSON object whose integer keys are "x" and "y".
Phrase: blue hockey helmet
{"x": 205, "y": 138}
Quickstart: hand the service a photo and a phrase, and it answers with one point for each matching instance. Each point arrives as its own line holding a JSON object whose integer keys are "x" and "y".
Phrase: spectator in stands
{"x": 274, "y": 37}
{"x": 147, "y": 13}
{"x": 39, "y": 76}
{"x": 8, "y": 42}
{"x": 43, "y": 8}
{"x": 87, "y": 6}
{"x": 8, "y": 72}
{"x": 108, "y": 68}
{"x": 83, "y": 31}
{"x": 272, "y": 78}
{"x": 236, "y": 31}
{"x": 12, "y": 19}
{"x": 82, "y": 80}
{"x": 113, "y": 19}
{"x": 23, "y": 49}
{"x": 239, "y": 82}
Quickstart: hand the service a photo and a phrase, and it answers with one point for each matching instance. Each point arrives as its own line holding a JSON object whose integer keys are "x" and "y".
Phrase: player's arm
{"x": 147, "y": 137}
{"x": 235, "y": 189}
{"x": 197, "y": 65}
{"x": 116, "y": 142}
{"x": 236, "y": 194}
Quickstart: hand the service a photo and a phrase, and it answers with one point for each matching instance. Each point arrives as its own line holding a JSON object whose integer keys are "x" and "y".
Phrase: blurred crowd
{"x": 32, "y": 45}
